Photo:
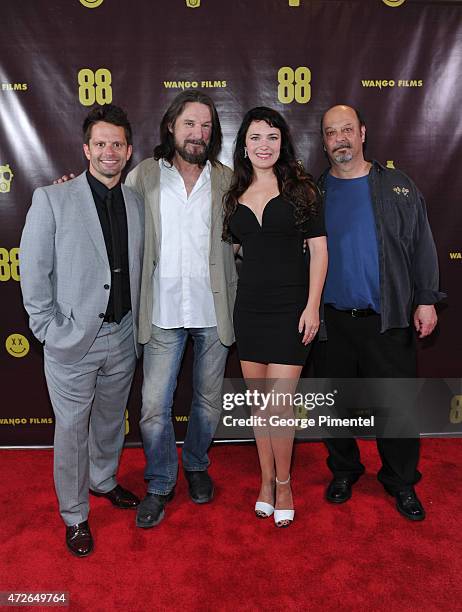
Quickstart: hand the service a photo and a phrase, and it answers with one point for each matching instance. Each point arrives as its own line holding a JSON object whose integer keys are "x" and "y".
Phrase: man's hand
{"x": 64, "y": 178}
{"x": 425, "y": 319}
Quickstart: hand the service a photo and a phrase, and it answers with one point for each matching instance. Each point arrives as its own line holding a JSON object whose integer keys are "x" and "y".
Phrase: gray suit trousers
{"x": 89, "y": 400}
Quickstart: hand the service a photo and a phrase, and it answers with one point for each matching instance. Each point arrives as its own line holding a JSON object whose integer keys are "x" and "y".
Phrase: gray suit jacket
{"x": 64, "y": 267}
{"x": 145, "y": 179}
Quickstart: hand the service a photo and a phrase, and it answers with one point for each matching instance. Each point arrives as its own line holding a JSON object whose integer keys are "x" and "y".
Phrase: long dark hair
{"x": 166, "y": 148}
{"x": 295, "y": 184}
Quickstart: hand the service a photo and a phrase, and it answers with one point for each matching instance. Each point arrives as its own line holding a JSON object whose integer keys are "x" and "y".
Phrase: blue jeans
{"x": 161, "y": 363}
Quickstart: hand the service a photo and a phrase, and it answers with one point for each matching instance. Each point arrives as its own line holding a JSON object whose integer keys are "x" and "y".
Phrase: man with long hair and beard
{"x": 188, "y": 289}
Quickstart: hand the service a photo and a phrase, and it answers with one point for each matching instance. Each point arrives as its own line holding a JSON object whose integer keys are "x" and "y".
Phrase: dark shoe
{"x": 151, "y": 510}
{"x": 409, "y": 505}
{"x": 339, "y": 490}
{"x": 79, "y": 540}
{"x": 120, "y": 497}
{"x": 200, "y": 486}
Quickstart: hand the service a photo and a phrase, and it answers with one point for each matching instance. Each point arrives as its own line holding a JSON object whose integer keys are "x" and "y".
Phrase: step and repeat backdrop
{"x": 399, "y": 61}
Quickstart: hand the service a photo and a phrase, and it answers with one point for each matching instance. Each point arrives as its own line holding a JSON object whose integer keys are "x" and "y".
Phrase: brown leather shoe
{"x": 120, "y": 497}
{"x": 79, "y": 539}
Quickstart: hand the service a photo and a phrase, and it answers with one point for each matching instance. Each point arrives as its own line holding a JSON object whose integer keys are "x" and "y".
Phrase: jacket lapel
{"x": 217, "y": 207}
{"x": 83, "y": 201}
{"x": 152, "y": 203}
{"x": 133, "y": 228}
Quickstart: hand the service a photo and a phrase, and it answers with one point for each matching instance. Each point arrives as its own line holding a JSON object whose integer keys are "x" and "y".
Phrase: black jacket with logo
{"x": 408, "y": 262}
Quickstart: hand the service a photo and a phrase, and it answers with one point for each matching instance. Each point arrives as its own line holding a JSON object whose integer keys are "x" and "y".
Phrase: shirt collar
{"x": 98, "y": 187}
{"x": 168, "y": 169}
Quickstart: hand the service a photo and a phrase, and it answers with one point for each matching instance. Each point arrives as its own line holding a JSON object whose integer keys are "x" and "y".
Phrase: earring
{"x": 245, "y": 152}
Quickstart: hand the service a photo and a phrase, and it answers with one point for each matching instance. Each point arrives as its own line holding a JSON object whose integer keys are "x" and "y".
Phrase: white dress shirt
{"x": 182, "y": 293}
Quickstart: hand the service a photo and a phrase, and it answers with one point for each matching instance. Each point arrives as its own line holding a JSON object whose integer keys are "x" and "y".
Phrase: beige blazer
{"x": 145, "y": 179}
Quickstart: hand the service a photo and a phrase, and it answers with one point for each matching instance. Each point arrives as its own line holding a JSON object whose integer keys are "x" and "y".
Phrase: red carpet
{"x": 359, "y": 556}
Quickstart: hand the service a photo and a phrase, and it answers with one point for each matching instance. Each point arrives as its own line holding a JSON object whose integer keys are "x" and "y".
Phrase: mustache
{"x": 344, "y": 145}
{"x": 195, "y": 142}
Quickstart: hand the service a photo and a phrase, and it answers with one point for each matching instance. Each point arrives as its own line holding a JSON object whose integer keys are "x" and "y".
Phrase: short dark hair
{"x": 358, "y": 114}
{"x": 110, "y": 114}
{"x": 166, "y": 148}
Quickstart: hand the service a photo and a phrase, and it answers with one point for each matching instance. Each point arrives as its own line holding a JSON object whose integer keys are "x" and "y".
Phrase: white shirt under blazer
{"x": 145, "y": 178}
{"x": 181, "y": 278}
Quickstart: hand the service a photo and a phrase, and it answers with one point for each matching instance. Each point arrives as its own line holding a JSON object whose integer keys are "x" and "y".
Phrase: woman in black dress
{"x": 270, "y": 209}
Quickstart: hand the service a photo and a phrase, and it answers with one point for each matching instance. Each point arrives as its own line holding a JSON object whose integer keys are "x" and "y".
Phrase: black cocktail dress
{"x": 273, "y": 282}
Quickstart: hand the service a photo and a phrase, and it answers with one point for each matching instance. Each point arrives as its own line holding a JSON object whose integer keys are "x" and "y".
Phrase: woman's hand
{"x": 309, "y": 324}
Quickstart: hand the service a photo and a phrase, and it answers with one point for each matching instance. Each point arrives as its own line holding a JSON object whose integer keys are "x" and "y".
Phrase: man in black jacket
{"x": 383, "y": 275}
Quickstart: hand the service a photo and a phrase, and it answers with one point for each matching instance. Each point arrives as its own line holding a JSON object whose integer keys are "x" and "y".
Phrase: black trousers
{"x": 356, "y": 348}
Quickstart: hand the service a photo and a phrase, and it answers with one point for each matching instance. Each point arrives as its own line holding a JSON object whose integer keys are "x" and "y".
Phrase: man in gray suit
{"x": 81, "y": 252}
{"x": 188, "y": 290}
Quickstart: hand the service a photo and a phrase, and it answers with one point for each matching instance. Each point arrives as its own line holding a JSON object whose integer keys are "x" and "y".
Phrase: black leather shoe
{"x": 151, "y": 510}
{"x": 339, "y": 490}
{"x": 409, "y": 505}
{"x": 200, "y": 486}
{"x": 120, "y": 497}
{"x": 79, "y": 540}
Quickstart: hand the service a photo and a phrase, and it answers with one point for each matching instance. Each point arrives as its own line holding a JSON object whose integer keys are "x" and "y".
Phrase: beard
{"x": 342, "y": 158}
{"x": 193, "y": 158}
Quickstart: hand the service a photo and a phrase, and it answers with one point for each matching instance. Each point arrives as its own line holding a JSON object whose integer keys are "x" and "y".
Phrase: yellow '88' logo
{"x": 294, "y": 85}
{"x": 95, "y": 86}
{"x": 9, "y": 264}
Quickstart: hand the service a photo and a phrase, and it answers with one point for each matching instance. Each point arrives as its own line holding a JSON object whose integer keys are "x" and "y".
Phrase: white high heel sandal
{"x": 263, "y": 510}
{"x": 283, "y": 518}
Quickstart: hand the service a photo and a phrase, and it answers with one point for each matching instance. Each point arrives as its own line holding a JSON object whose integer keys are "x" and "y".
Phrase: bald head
{"x": 333, "y": 111}
{"x": 344, "y": 135}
